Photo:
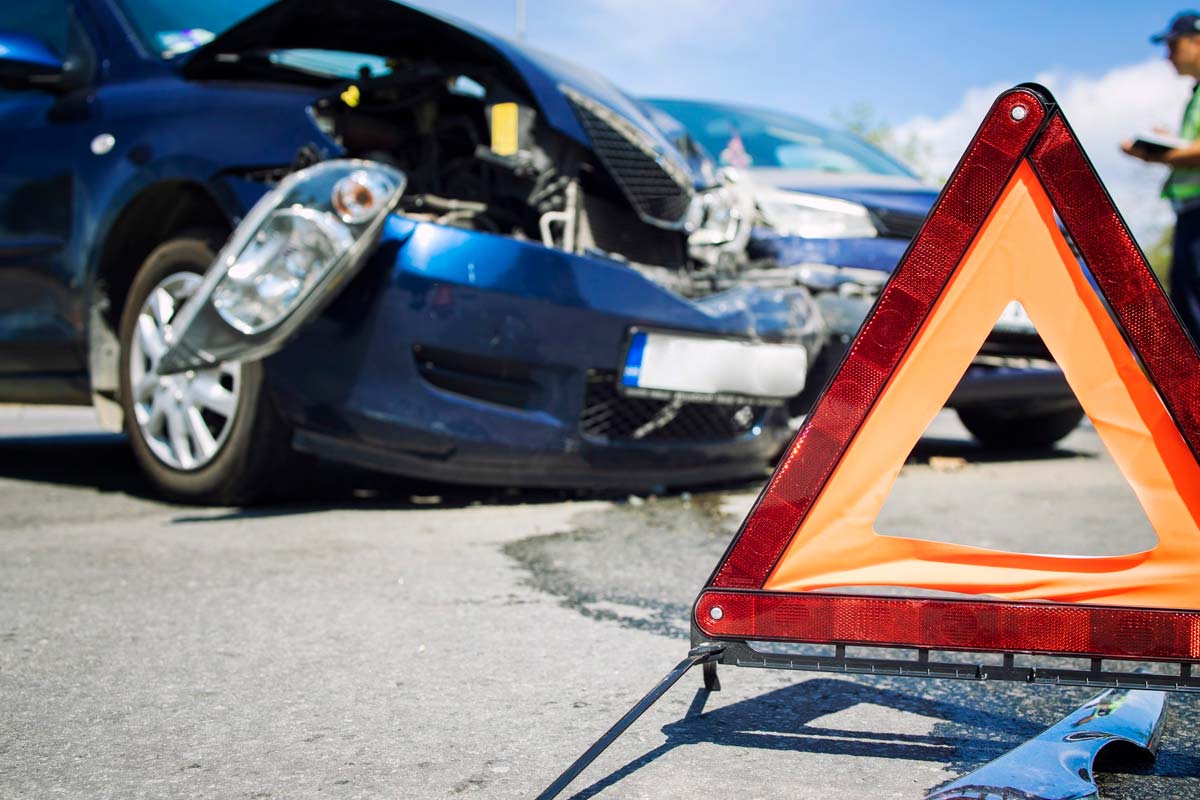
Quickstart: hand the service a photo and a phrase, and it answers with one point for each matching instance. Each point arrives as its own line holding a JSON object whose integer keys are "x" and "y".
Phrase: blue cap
{"x": 1185, "y": 23}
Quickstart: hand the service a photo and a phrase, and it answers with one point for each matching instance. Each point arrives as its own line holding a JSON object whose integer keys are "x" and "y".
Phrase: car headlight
{"x": 719, "y": 222}
{"x": 292, "y": 250}
{"x": 297, "y": 236}
{"x": 814, "y": 217}
{"x": 284, "y": 261}
{"x": 720, "y": 216}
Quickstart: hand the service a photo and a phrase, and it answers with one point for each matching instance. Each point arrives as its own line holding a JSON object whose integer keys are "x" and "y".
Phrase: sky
{"x": 929, "y": 70}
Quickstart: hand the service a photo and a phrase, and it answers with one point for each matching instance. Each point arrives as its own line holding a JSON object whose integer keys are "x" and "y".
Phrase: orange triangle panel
{"x": 992, "y": 237}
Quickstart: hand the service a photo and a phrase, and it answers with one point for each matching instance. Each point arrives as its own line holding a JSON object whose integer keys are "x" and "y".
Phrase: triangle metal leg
{"x": 704, "y": 654}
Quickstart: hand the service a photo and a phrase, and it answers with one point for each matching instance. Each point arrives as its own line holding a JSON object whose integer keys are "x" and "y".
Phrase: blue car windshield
{"x": 171, "y": 28}
{"x": 742, "y": 137}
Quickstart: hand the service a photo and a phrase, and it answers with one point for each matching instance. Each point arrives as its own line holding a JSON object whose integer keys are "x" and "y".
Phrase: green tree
{"x": 861, "y": 119}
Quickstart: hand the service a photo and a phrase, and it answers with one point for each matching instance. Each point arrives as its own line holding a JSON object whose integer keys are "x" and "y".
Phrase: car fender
{"x": 186, "y": 145}
{"x": 103, "y": 348}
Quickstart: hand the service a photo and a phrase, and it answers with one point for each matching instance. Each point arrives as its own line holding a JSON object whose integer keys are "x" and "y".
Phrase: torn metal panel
{"x": 1059, "y": 764}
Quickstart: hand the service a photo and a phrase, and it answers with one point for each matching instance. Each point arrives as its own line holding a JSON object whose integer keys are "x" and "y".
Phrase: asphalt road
{"x": 380, "y": 638}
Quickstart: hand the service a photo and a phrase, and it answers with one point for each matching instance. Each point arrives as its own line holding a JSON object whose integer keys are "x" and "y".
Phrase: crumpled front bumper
{"x": 470, "y": 357}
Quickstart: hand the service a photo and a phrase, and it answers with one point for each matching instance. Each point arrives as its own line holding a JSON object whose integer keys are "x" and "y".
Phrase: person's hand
{"x": 1141, "y": 152}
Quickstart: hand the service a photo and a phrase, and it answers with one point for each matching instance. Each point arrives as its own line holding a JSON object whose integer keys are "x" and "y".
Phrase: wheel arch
{"x": 153, "y": 215}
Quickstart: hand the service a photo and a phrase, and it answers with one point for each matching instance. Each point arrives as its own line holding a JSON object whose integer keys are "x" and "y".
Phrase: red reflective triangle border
{"x": 1024, "y": 123}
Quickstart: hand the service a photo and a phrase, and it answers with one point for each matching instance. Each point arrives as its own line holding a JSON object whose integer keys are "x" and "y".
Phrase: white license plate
{"x": 699, "y": 365}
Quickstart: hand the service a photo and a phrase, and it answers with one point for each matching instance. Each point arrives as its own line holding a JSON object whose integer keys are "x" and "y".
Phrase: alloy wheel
{"x": 183, "y": 418}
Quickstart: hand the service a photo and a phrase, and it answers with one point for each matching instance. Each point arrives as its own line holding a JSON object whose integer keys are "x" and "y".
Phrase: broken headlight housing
{"x": 815, "y": 217}
{"x": 720, "y": 220}
{"x": 289, "y": 253}
{"x": 298, "y": 244}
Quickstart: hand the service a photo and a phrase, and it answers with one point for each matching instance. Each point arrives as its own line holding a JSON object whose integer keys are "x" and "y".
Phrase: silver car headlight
{"x": 813, "y": 216}
{"x": 720, "y": 216}
{"x": 720, "y": 221}
{"x": 287, "y": 256}
{"x": 287, "y": 259}
{"x": 296, "y": 237}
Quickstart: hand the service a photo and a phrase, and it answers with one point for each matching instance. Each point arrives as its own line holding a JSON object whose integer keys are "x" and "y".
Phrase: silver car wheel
{"x": 183, "y": 418}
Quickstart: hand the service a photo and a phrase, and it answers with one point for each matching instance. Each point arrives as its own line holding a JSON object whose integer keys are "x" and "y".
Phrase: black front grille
{"x": 897, "y": 224}
{"x": 500, "y": 381}
{"x": 646, "y": 181}
{"x": 616, "y": 228}
{"x": 609, "y": 415}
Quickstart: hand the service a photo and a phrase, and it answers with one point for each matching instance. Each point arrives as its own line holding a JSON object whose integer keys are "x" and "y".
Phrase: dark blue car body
{"x": 454, "y": 354}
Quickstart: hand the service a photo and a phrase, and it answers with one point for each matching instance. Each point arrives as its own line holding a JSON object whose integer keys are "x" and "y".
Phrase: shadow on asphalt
{"x": 929, "y": 447}
{"x": 103, "y": 461}
{"x": 780, "y": 720}
{"x": 965, "y": 737}
{"x": 100, "y": 461}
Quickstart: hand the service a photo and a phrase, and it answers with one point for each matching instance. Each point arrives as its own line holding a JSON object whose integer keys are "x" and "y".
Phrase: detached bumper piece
{"x": 1060, "y": 763}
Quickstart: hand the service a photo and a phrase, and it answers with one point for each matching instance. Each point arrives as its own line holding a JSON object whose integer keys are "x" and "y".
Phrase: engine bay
{"x": 478, "y": 156}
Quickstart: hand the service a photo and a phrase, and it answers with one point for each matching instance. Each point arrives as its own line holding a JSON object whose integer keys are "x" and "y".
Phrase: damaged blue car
{"x": 363, "y": 232}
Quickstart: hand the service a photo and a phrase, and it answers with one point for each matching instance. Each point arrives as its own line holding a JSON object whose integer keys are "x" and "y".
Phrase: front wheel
{"x": 205, "y": 435}
{"x": 1007, "y": 428}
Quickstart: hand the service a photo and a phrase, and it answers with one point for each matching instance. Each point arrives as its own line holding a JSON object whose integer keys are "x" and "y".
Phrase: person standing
{"x": 1182, "y": 38}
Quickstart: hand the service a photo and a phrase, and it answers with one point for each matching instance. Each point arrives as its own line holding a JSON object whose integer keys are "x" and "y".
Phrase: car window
{"x": 740, "y": 137}
{"x": 173, "y": 27}
{"x": 815, "y": 156}
{"x": 45, "y": 19}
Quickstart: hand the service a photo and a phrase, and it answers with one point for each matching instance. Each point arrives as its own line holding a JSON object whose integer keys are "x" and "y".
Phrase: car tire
{"x": 1006, "y": 429}
{"x": 204, "y": 436}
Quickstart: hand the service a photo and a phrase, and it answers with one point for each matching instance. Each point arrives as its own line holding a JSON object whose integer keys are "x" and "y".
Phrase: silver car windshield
{"x": 747, "y": 138}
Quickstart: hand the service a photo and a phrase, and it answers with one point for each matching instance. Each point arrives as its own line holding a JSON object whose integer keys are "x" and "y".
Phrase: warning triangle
{"x": 993, "y": 237}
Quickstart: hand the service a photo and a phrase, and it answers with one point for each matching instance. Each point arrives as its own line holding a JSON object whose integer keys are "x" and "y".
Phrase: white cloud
{"x": 659, "y": 46}
{"x": 1103, "y": 110}
{"x": 639, "y": 26}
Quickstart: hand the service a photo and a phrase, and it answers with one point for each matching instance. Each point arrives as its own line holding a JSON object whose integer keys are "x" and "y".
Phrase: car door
{"x": 42, "y": 322}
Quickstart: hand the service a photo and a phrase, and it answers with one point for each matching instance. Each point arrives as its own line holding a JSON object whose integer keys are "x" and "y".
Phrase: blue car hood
{"x": 887, "y": 192}
{"x": 386, "y": 28}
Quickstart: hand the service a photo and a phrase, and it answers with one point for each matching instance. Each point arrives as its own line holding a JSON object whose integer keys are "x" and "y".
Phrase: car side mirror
{"x": 27, "y": 62}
